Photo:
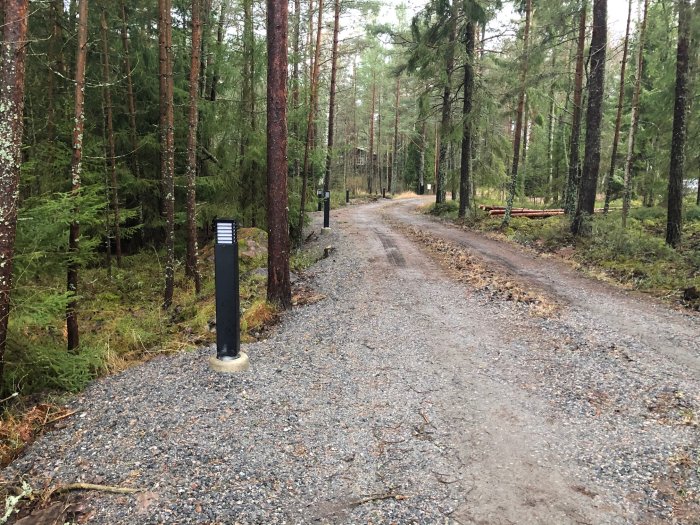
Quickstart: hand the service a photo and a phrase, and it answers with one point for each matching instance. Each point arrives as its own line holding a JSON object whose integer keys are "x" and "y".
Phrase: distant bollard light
{"x": 347, "y": 196}
{"x": 327, "y": 210}
{"x": 319, "y": 196}
{"x": 228, "y": 334}
{"x": 383, "y": 193}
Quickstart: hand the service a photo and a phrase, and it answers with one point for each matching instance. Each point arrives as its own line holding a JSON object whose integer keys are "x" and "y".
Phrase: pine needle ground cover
{"x": 636, "y": 257}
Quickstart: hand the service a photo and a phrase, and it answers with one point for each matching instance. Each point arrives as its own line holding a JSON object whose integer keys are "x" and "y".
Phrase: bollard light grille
{"x": 225, "y": 232}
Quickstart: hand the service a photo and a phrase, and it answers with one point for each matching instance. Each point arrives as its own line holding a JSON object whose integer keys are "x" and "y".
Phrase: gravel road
{"x": 405, "y": 396}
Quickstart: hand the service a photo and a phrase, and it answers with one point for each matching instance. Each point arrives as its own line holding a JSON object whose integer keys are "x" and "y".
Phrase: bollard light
{"x": 327, "y": 209}
{"x": 383, "y": 193}
{"x": 347, "y": 196}
{"x": 228, "y": 309}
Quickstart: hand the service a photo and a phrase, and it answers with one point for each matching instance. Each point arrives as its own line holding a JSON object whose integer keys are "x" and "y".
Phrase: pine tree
{"x": 278, "y": 283}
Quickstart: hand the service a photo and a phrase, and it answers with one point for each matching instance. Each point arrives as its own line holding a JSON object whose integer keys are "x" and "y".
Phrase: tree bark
{"x": 574, "y": 155}
{"x": 76, "y": 169}
{"x": 130, "y": 98}
{"x": 395, "y": 157}
{"x": 465, "y": 172}
{"x": 12, "y": 75}
{"x": 594, "y": 116}
{"x": 192, "y": 258}
{"x": 278, "y": 283}
{"x": 316, "y": 70}
{"x": 111, "y": 149}
{"x": 519, "y": 114}
{"x": 370, "y": 158}
{"x": 677, "y": 168}
{"x": 440, "y": 182}
{"x": 167, "y": 144}
{"x": 331, "y": 98}
{"x": 550, "y": 133}
{"x": 618, "y": 118}
{"x": 214, "y": 90}
{"x": 295, "y": 80}
{"x": 634, "y": 118}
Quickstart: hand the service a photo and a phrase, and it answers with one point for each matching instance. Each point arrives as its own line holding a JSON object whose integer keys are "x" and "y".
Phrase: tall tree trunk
{"x": 331, "y": 98}
{"x": 220, "y": 29}
{"x": 295, "y": 81}
{"x": 465, "y": 172}
{"x": 550, "y": 133}
{"x": 677, "y": 169}
{"x": 56, "y": 61}
{"x": 519, "y": 114}
{"x": 192, "y": 258}
{"x": 76, "y": 168}
{"x": 380, "y": 183}
{"x": 634, "y": 118}
{"x": 370, "y": 158}
{"x": 316, "y": 70}
{"x": 574, "y": 154}
{"x": 594, "y": 117}
{"x": 13, "y": 53}
{"x": 618, "y": 118}
{"x": 130, "y": 98}
{"x": 167, "y": 143}
{"x": 111, "y": 149}
{"x": 421, "y": 162}
{"x": 440, "y": 182}
{"x": 278, "y": 283}
{"x": 395, "y": 157}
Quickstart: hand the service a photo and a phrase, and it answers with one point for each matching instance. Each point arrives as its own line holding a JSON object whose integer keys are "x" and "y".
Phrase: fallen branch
{"x": 378, "y": 497}
{"x": 90, "y": 486}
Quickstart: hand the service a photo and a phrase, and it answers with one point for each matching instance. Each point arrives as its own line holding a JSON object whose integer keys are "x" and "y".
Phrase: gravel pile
{"x": 400, "y": 398}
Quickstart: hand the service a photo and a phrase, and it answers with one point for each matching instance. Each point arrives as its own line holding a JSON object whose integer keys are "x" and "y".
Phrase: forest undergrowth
{"x": 635, "y": 257}
{"x": 122, "y": 326}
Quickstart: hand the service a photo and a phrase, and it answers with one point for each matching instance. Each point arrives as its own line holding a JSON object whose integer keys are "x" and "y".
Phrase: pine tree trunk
{"x": 421, "y": 165}
{"x": 167, "y": 144}
{"x": 574, "y": 155}
{"x": 316, "y": 70}
{"x": 370, "y": 158}
{"x": 519, "y": 115}
{"x": 76, "y": 168}
{"x": 440, "y": 189}
{"x": 331, "y": 98}
{"x": 380, "y": 183}
{"x": 295, "y": 80}
{"x": 677, "y": 169}
{"x": 278, "y": 284}
{"x": 465, "y": 172}
{"x": 634, "y": 118}
{"x": 192, "y": 259}
{"x": 220, "y": 29}
{"x": 618, "y": 118}
{"x": 14, "y": 53}
{"x": 111, "y": 149}
{"x": 594, "y": 117}
{"x": 395, "y": 156}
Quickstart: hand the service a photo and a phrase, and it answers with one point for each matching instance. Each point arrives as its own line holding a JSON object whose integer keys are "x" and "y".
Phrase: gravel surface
{"x": 403, "y": 397}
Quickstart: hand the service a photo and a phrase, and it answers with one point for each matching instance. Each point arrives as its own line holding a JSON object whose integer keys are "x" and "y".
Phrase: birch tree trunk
{"x": 13, "y": 53}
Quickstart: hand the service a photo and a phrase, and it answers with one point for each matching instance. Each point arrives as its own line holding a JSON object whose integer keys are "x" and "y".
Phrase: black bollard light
{"x": 319, "y": 197}
{"x": 347, "y": 196}
{"x": 327, "y": 210}
{"x": 228, "y": 309}
{"x": 421, "y": 189}
{"x": 383, "y": 193}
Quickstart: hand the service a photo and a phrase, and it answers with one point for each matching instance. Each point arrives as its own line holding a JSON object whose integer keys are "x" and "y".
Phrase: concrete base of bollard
{"x": 325, "y": 230}
{"x": 239, "y": 364}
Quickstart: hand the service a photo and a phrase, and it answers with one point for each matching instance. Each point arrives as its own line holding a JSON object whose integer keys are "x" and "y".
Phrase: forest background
{"x": 144, "y": 121}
